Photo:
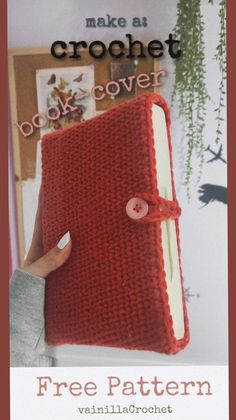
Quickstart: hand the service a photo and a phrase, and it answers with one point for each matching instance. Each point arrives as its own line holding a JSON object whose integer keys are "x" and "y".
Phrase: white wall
{"x": 203, "y": 231}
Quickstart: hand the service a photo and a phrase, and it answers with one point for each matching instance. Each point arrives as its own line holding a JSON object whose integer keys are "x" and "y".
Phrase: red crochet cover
{"x": 112, "y": 290}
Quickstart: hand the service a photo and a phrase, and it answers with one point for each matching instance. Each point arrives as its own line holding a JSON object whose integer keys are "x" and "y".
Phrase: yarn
{"x": 112, "y": 290}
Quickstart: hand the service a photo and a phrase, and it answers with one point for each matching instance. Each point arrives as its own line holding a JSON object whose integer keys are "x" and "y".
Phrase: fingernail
{"x": 64, "y": 240}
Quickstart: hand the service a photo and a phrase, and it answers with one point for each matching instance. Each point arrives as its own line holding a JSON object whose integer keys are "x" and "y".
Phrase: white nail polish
{"x": 64, "y": 240}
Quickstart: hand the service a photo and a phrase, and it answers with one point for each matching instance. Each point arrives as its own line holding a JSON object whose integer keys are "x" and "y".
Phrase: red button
{"x": 137, "y": 208}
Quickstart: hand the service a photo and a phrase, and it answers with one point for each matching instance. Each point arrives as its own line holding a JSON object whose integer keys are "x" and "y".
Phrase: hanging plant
{"x": 190, "y": 91}
{"x": 190, "y": 86}
{"x": 220, "y": 57}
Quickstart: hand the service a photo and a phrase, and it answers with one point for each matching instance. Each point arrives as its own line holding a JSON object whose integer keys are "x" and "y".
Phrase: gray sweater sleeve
{"x": 27, "y": 320}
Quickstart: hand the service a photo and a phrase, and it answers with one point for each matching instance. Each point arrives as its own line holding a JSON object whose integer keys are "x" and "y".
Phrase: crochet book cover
{"x": 118, "y": 208}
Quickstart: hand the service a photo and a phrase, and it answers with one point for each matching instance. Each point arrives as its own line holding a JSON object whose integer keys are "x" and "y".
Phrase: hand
{"x": 40, "y": 264}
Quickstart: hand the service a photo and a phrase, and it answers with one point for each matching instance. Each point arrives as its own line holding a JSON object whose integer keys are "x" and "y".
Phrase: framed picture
{"x": 57, "y": 86}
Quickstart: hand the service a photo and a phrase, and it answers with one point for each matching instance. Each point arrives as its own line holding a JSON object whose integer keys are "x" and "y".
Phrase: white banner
{"x": 164, "y": 392}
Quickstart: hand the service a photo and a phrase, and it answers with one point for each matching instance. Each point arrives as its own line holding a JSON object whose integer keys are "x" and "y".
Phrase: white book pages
{"x": 169, "y": 235}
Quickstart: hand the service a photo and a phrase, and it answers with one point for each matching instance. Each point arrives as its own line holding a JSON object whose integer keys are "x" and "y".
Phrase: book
{"x": 109, "y": 181}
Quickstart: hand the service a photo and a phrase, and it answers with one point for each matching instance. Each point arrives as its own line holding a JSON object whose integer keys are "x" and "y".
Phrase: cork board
{"x": 23, "y": 64}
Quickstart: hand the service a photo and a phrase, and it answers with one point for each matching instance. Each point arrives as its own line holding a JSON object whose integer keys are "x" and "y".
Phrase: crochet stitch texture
{"x": 112, "y": 291}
